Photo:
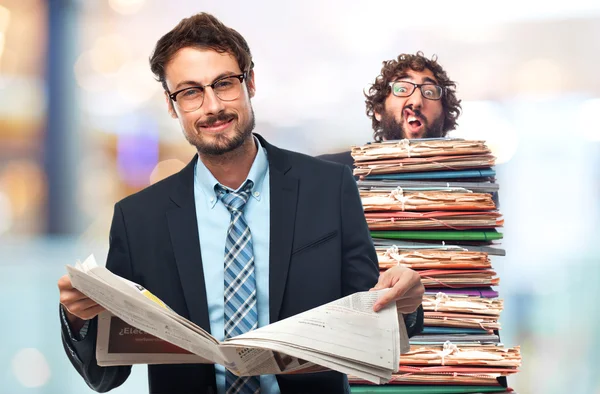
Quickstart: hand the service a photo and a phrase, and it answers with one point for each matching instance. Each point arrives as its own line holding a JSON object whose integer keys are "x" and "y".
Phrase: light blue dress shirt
{"x": 213, "y": 221}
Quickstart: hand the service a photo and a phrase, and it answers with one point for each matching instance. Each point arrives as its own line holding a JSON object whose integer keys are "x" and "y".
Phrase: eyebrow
{"x": 197, "y": 83}
{"x": 425, "y": 80}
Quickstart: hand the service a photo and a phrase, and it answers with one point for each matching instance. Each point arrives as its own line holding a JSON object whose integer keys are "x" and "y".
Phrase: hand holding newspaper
{"x": 344, "y": 335}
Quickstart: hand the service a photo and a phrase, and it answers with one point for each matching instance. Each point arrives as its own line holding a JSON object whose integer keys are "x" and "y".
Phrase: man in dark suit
{"x": 412, "y": 97}
{"x": 244, "y": 229}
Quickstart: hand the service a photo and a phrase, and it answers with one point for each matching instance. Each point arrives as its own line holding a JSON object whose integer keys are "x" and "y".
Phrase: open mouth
{"x": 414, "y": 122}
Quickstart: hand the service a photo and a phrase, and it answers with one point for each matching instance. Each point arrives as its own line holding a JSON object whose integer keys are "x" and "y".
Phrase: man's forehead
{"x": 416, "y": 76}
{"x": 199, "y": 65}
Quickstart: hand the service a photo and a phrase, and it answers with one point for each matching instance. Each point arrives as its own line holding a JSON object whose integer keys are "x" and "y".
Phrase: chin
{"x": 217, "y": 146}
{"x": 412, "y": 136}
{"x": 219, "y": 143}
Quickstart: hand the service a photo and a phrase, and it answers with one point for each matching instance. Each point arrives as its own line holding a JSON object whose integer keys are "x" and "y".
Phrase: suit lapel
{"x": 284, "y": 195}
{"x": 183, "y": 229}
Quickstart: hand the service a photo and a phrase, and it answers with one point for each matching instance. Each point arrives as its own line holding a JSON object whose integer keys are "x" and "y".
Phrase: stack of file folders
{"x": 431, "y": 205}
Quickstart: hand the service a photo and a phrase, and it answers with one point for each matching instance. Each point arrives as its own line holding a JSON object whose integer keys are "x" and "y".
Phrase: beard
{"x": 391, "y": 129}
{"x": 221, "y": 143}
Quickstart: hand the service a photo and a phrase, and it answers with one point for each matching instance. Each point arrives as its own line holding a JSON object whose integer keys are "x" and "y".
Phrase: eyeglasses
{"x": 429, "y": 91}
{"x": 227, "y": 89}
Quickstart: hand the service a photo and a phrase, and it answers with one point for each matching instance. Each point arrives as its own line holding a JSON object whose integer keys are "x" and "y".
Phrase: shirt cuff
{"x": 76, "y": 337}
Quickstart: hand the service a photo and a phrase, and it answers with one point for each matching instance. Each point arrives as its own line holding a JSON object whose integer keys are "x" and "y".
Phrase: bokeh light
{"x": 4, "y": 18}
{"x": 31, "y": 368}
{"x": 539, "y": 77}
{"x": 126, "y": 7}
{"x": 109, "y": 54}
{"x": 6, "y": 213}
{"x": 165, "y": 169}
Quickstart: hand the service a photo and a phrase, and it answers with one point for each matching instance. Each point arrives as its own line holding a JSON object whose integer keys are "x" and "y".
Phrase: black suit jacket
{"x": 414, "y": 321}
{"x": 320, "y": 250}
{"x": 344, "y": 158}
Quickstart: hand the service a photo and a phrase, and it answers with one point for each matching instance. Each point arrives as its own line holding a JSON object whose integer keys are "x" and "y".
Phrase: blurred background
{"x": 84, "y": 124}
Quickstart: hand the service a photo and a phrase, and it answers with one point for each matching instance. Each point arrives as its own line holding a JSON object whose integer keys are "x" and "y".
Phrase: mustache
{"x": 417, "y": 112}
{"x": 212, "y": 119}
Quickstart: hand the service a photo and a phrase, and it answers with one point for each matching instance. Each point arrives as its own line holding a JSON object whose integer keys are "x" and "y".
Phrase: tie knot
{"x": 235, "y": 201}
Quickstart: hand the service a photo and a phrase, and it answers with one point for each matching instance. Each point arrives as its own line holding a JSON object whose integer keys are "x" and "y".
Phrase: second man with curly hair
{"x": 412, "y": 97}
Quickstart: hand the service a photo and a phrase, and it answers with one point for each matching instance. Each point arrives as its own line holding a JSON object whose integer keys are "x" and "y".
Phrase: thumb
{"x": 383, "y": 300}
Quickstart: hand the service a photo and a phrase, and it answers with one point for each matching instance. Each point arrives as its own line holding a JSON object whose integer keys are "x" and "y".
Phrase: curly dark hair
{"x": 200, "y": 31}
{"x": 379, "y": 91}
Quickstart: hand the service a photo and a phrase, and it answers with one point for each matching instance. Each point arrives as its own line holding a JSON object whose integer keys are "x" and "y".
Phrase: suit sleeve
{"x": 360, "y": 270}
{"x": 414, "y": 322}
{"x": 82, "y": 353}
{"x": 361, "y": 266}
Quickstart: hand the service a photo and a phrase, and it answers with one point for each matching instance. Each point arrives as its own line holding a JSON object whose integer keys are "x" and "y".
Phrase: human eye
{"x": 224, "y": 83}
{"x": 400, "y": 88}
{"x": 429, "y": 91}
{"x": 432, "y": 91}
{"x": 191, "y": 93}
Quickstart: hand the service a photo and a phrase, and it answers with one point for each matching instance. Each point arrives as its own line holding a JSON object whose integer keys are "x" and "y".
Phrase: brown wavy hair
{"x": 202, "y": 31}
{"x": 379, "y": 91}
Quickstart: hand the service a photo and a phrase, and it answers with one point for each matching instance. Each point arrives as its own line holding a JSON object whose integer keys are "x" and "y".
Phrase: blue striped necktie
{"x": 240, "y": 285}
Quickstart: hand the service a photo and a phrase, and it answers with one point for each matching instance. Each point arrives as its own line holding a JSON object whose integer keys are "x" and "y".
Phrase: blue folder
{"x": 452, "y": 330}
{"x": 482, "y": 173}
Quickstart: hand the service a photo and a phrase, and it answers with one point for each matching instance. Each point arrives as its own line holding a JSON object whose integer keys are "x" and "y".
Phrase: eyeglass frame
{"x": 418, "y": 85}
{"x": 241, "y": 77}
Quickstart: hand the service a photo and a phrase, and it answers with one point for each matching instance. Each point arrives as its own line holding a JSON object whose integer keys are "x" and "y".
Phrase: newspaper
{"x": 344, "y": 335}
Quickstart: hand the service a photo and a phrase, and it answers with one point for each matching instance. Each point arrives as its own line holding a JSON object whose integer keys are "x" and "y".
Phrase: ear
{"x": 377, "y": 116}
{"x": 170, "y": 107}
{"x": 251, "y": 85}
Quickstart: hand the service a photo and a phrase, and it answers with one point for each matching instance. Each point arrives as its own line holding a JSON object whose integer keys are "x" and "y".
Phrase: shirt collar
{"x": 205, "y": 181}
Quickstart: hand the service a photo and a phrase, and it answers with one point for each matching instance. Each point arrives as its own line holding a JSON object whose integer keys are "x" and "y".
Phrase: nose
{"x": 212, "y": 104}
{"x": 415, "y": 99}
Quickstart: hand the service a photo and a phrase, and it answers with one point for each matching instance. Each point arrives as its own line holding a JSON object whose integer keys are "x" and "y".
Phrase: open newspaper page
{"x": 345, "y": 335}
{"x": 127, "y": 301}
{"x": 120, "y": 343}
